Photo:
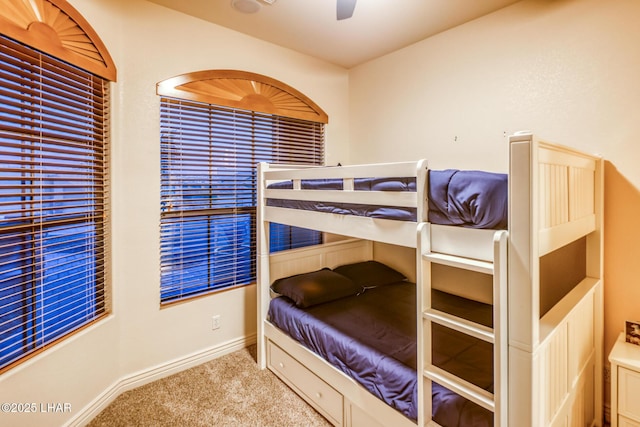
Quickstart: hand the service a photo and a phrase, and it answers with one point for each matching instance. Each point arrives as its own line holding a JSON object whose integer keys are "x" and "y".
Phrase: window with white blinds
{"x": 53, "y": 199}
{"x": 208, "y": 191}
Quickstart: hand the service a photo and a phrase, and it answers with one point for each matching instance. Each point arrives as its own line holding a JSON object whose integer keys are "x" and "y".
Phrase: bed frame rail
{"x": 384, "y": 230}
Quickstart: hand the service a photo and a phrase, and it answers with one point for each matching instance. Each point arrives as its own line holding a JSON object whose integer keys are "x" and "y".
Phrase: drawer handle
{"x": 318, "y": 395}
{"x": 281, "y": 364}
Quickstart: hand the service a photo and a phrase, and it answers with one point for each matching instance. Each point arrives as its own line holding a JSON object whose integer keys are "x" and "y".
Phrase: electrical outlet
{"x": 215, "y": 322}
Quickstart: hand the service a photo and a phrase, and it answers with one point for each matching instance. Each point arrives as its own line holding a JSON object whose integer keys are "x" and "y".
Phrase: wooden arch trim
{"x": 56, "y": 28}
{"x": 243, "y": 90}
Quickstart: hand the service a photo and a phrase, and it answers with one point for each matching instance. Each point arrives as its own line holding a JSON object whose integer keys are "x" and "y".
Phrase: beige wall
{"x": 139, "y": 341}
{"x": 567, "y": 70}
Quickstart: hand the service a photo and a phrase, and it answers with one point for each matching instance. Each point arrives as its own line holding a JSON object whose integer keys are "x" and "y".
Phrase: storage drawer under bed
{"x": 314, "y": 390}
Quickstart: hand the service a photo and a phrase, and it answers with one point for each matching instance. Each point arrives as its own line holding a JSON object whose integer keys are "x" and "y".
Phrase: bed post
{"x": 595, "y": 268}
{"x": 423, "y": 299}
{"x": 262, "y": 268}
{"x": 522, "y": 270}
{"x": 422, "y": 181}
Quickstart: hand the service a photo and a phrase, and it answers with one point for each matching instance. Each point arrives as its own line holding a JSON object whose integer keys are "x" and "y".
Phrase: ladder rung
{"x": 464, "y": 388}
{"x": 460, "y": 262}
{"x": 459, "y": 324}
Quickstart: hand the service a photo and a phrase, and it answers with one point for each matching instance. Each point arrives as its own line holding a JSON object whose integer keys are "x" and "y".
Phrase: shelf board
{"x": 562, "y": 309}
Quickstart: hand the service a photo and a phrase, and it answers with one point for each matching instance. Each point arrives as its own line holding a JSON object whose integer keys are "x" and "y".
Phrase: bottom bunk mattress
{"x": 371, "y": 337}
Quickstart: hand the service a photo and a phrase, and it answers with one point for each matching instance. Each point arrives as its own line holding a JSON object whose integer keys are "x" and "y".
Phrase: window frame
{"x": 53, "y": 28}
{"x": 256, "y": 99}
{"x": 54, "y": 238}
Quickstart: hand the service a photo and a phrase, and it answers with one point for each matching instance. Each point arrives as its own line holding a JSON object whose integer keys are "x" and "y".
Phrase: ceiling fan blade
{"x": 345, "y": 9}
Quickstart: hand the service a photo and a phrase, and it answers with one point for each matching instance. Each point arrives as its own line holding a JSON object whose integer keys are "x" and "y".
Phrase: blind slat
{"x": 53, "y": 199}
{"x": 208, "y": 159}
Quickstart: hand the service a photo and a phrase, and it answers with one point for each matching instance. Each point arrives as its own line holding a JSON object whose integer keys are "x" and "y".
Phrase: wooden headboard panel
{"x": 566, "y": 197}
{"x": 311, "y": 258}
{"x": 555, "y": 235}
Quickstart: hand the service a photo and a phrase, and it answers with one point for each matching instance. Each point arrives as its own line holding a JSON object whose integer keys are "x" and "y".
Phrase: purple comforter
{"x": 371, "y": 337}
{"x": 473, "y": 199}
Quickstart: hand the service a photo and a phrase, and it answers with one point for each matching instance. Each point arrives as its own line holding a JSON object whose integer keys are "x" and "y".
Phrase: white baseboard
{"x": 146, "y": 376}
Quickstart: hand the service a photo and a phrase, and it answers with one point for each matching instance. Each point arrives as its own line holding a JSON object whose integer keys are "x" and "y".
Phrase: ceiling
{"x": 376, "y": 28}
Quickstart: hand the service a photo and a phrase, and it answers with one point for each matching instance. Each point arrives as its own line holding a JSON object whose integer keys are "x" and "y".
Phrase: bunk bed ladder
{"x": 495, "y": 402}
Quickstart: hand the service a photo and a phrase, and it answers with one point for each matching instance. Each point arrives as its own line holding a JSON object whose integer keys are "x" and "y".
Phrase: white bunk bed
{"x": 546, "y": 343}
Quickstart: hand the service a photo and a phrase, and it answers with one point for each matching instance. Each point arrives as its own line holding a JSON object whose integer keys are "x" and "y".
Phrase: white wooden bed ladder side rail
{"x": 498, "y": 335}
{"x": 262, "y": 268}
{"x": 424, "y": 398}
{"x": 500, "y": 328}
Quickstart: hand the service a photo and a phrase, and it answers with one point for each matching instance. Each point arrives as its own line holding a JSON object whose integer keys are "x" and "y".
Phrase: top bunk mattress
{"x": 466, "y": 198}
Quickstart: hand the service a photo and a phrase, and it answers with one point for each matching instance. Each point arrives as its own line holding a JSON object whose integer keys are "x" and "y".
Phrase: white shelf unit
{"x": 555, "y": 302}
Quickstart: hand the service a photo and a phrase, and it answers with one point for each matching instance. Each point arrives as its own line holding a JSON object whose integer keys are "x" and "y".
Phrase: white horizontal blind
{"x": 208, "y": 191}
{"x": 53, "y": 199}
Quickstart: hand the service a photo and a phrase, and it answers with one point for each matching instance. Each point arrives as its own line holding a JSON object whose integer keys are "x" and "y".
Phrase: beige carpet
{"x": 228, "y": 391}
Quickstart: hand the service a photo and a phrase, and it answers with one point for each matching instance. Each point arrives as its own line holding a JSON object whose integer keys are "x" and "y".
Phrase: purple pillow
{"x": 317, "y": 287}
{"x": 369, "y": 274}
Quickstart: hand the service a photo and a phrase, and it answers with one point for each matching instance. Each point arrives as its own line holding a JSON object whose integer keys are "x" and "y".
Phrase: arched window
{"x": 215, "y": 127}
{"x": 54, "y": 98}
